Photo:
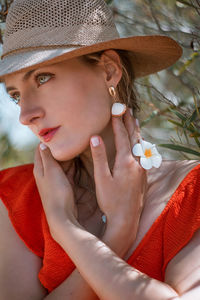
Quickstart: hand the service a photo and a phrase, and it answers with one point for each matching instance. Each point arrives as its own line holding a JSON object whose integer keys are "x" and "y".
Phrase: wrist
{"x": 119, "y": 239}
{"x": 57, "y": 226}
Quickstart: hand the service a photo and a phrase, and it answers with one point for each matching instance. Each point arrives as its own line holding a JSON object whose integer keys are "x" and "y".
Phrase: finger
{"x": 48, "y": 161}
{"x": 100, "y": 161}
{"x": 132, "y": 128}
{"x": 38, "y": 169}
{"x": 137, "y": 132}
{"x": 122, "y": 142}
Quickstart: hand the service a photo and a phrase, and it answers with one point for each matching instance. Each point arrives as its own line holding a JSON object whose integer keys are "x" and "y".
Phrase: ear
{"x": 110, "y": 61}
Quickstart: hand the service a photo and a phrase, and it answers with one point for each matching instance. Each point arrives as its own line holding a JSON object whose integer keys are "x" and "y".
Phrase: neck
{"x": 89, "y": 202}
{"x": 108, "y": 138}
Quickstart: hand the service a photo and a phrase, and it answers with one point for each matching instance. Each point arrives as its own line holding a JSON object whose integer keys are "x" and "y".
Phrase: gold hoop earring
{"x": 118, "y": 109}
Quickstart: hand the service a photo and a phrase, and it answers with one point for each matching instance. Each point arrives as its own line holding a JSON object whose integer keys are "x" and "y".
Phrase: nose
{"x": 30, "y": 112}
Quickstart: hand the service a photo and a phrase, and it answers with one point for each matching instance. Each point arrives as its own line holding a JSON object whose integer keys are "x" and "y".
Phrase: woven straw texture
{"x": 43, "y": 32}
{"x": 32, "y": 23}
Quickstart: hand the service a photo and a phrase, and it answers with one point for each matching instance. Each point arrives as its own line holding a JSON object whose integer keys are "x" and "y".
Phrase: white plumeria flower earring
{"x": 149, "y": 156}
{"x": 118, "y": 109}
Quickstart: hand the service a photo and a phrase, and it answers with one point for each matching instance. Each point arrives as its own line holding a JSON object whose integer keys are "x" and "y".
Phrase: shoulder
{"x": 164, "y": 181}
{"x": 183, "y": 217}
{"x": 171, "y": 170}
{"x": 174, "y": 177}
{"x": 182, "y": 228}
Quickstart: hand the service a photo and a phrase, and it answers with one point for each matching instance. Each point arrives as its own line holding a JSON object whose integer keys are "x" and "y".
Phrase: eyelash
{"x": 35, "y": 79}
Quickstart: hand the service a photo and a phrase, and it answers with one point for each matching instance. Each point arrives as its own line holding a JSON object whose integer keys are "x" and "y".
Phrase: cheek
{"x": 77, "y": 129}
{"x": 84, "y": 101}
{"x": 83, "y": 110}
{"x": 94, "y": 108}
{"x": 93, "y": 96}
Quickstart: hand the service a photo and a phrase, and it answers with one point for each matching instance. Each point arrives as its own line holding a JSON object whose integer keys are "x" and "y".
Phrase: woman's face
{"x": 71, "y": 94}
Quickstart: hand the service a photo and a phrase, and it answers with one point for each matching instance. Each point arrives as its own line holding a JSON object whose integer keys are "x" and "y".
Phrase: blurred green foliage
{"x": 11, "y": 156}
{"x": 170, "y": 100}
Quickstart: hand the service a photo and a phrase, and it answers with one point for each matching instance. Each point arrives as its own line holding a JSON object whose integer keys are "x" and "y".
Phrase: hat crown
{"x": 35, "y": 23}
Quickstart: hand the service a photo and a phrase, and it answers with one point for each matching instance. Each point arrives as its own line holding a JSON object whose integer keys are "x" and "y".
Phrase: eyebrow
{"x": 25, "y": 78}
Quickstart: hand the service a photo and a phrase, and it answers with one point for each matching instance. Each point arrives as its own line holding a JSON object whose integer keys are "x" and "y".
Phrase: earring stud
{"x": 118, "y": 109}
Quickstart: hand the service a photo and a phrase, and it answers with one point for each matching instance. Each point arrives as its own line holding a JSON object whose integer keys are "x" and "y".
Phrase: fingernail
{"x": 43, "y": 146}
{"x": 95, "y": 141}
{"x": 131, "y": 111}
{"x": 137, "y": 123}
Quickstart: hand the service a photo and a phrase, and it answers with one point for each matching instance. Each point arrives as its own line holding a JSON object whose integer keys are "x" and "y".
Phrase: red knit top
{"x": 170, "y": 232}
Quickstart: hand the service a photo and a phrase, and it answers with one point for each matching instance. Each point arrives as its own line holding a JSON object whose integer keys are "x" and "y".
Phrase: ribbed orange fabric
{"x": 171, "y": 231}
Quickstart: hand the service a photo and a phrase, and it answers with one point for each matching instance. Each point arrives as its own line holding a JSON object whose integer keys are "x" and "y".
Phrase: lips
{"x": 46, "y": 130}
{"x": 48, "y": 133}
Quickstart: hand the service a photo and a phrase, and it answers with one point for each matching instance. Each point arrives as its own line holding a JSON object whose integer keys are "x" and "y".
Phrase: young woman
{"x": 98, "y": 215}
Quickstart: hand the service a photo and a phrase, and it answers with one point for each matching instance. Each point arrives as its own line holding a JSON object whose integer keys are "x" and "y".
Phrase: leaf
{"x": 192, "y": 117}
{"x": 178, "y": 114}
{"x": 195, "y": 103}
{"x": 175, "y": 123}
{"x": 195, "y": 134}
{"x": 187, "y": 3}
{"x": 180, "y": 148}
{"x": 192, "y": 128}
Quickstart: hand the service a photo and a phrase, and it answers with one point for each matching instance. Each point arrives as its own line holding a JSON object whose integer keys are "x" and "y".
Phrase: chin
{"x": 63, "y": 156}
{"x": 64, "y": 153}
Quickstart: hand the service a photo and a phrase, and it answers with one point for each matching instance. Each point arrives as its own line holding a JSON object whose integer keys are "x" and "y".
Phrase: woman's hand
{"x": 120, "y": 195}
{"x": 55, "y": 187}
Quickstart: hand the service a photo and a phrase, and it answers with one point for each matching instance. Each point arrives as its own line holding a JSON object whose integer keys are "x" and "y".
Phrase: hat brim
{"x": 149, "y": 54}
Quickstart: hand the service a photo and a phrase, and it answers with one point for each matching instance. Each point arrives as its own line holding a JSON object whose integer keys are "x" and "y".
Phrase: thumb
{"x": 101, "y": 167}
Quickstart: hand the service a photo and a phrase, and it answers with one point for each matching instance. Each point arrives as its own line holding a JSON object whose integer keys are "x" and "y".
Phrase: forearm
{"x": 109, "y": 276}
{"x": 75, "y": 287}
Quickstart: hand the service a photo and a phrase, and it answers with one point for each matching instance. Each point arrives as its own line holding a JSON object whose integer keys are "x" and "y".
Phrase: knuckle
{"x": 129, "y": 163}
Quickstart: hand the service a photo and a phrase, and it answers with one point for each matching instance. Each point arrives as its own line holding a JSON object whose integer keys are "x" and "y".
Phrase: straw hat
{"x": 43, "y": 32}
